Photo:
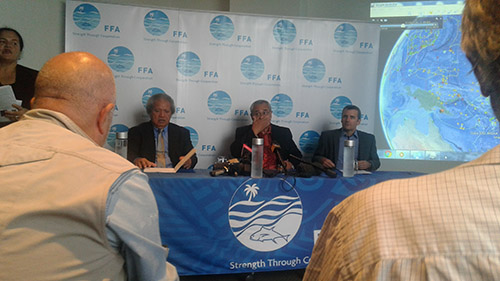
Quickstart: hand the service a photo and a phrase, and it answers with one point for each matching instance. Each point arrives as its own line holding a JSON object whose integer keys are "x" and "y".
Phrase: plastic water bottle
{"x": 348, "y": 158}
{"x": 257, "y": 157}
{"x": 121, "y": 143}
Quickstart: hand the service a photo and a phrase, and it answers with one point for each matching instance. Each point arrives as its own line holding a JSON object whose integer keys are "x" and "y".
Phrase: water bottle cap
{"x": 349, "y": 143}
{"x": 121, "y": 135}
{"x": 257, "y": 141}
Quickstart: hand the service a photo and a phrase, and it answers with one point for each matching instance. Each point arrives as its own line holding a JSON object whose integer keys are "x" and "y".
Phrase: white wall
{"x": 41, "y": 23}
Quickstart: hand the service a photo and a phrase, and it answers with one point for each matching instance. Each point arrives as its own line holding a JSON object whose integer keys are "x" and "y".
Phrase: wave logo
{"x": 110, "y": 140}
{"x": 120, "y": 59}
{"x": 193, "y": 135}
{"x": 264, "y": 220}
{"x": 221, "y": 28}
{"x": 313, "y": 70}
{"x": 252, "y": 67}
{"x": 284, "y": 32}
{"x": 281, "y": 105}
{"x": 150, "y": 92}
{"x": 188, "y": 63}
{"x": 337, "y": 105}
{"x": 345, "y": 35}
{"x": 308, "y": 141}
{"x": 86, "y": 17}
{"x": 156, "y": 23}
{"x": 219, "y": 102}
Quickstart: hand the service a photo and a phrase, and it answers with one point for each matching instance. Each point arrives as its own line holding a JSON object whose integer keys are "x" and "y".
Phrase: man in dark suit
{"x": 261, "y": 113}
{"x": 328, "y": 153}
{"x": 159, "y": 143}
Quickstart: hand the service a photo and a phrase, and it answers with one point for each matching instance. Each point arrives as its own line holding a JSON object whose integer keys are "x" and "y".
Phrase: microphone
{"x": 329, "y": 172}
{"x": 275, "y": 147}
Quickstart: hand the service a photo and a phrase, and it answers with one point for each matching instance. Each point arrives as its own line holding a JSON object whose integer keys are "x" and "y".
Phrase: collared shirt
{"x": 165, "y": 142}
{"x": 344, "y": 137}
{"x": 130, "y": 201}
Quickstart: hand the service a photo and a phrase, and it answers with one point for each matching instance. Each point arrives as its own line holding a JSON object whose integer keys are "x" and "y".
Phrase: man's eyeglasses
{"x": 261, "y": 113}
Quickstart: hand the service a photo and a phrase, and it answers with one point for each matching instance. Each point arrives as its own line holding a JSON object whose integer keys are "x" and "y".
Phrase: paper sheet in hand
{"x": 7, "y": 99}
{"x": 172, "y": 170}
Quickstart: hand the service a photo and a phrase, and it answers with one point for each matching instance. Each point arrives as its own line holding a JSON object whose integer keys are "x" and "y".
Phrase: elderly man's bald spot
{"x": 76, "y": 79}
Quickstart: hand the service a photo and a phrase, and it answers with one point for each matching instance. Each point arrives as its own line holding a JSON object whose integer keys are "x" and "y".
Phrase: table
{"x": 226, "y": 225}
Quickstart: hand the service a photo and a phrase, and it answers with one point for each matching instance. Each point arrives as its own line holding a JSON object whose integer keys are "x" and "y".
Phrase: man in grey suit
{"x": 328, "y": 152}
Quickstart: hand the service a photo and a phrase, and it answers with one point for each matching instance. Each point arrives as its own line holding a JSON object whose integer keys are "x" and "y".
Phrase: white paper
{"x": 7, "y": 99}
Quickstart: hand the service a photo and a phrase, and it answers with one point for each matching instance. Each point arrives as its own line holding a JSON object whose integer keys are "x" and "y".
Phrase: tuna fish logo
{"x": 268, "y": 234}
{"x": 263, "y": 216}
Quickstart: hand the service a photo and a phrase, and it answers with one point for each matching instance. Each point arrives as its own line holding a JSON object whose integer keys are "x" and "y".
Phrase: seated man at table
{"x": 72, "y": 210}
{"x": 330, "y": 152}
{"x": 442, "y": 226}
{"x": 159, "y": 143}
{"x": 261, "y": 113}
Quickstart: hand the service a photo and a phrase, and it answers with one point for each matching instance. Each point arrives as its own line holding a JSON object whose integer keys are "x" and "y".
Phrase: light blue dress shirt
{"x": 132, "y": 226}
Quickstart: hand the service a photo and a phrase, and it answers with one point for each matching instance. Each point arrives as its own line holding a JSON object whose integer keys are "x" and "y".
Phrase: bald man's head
{"x": 77, "y": 84}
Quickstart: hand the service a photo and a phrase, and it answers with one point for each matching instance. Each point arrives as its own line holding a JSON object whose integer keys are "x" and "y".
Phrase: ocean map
{"x": 430, "y": 101}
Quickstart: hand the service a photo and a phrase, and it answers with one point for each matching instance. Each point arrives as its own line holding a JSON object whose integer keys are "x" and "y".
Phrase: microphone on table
{"x": 329, "y": 172}
{"x": 275, "y": 148}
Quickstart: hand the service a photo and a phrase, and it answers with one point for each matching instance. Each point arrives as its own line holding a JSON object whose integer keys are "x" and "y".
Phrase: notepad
{"x": 174, "y": 169}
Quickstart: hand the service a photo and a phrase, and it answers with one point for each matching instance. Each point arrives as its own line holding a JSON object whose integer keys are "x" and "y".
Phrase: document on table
{"x": 7, "y": 99}
{"x": 172, "y": 170}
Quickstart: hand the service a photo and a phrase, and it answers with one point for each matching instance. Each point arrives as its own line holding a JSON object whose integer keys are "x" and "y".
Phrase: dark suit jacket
{"x": 328, "y": 146}
{"x": 280, "y": 135}
{"x": 141, "y": 143}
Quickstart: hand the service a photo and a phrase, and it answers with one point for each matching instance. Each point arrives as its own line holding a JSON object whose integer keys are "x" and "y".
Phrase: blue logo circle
{"x": 222, "y": 27}
{"x": 252, "y": 67}
{"x": 219, "y": 102}
{"x": 284, "y": 32}
{"x": 112, "y": 133}
{"x": 156, "y": 23}
{"x": 150, "y": 92}
{"x": 309, "y": 141}
{"x": 120, "y": 59}
{"x": 337, "y": 105}
{"x": 193, "y": 135}
{"x": 86, "y": 16}
{"x": 345, "y": 35}
{"x": 281, "y": 105}
{"x": 188, "y": 63}
{"x": 264, "y": 217}
{"x": 313, "y": 70}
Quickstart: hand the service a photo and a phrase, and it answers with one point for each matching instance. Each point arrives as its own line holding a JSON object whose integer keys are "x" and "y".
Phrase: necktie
{"x": 160, "y": 150}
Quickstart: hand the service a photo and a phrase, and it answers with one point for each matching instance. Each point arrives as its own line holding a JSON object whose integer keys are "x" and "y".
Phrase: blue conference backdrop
{"x": 215, "y": 64}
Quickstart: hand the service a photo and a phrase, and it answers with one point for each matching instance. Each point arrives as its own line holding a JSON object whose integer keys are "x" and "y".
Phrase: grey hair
{"x": 156, "y": 97}
{"x": 259, "y": 102}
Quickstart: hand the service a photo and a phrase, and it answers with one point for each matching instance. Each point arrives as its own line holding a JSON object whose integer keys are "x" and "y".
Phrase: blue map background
{"x": 430, "y": 102}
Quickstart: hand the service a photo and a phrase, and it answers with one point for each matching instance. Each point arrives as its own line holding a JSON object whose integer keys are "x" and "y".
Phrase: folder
{"x": 174, "y": 169}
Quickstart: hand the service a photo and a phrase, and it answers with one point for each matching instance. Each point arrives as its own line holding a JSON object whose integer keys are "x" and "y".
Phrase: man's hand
{"x": 364, "y": 165}
{"x": 259, "y": 124}
{"x": 327, "y": 163}
{"x": 14, "y": 115}
{"x": 143, "y": 163}
{"x": 186, "y": 165}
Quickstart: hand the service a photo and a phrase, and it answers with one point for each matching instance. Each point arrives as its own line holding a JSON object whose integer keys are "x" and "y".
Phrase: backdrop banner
{"x": 215, "y": 64}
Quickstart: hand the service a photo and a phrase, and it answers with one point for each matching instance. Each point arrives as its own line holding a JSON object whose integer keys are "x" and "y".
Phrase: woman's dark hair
{"x": 21, "y": 43}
